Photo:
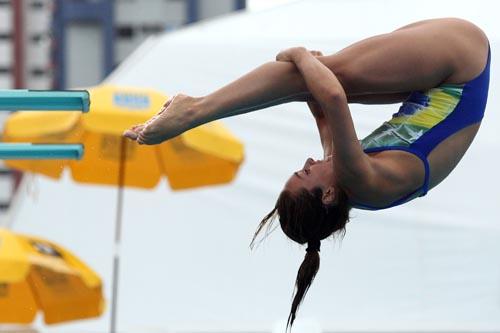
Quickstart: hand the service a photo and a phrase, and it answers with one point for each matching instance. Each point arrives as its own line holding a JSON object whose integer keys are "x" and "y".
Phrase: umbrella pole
{"x": 118, "y": 229}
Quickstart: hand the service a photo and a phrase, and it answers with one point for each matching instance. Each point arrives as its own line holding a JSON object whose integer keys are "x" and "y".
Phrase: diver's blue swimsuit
{"x": 426, "y": 119}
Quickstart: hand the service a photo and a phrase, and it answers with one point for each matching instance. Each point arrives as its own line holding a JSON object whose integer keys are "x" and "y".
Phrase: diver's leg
{"x": 404, "y": 60}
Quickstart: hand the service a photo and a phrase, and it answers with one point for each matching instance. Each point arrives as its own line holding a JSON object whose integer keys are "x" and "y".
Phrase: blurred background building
{"x": 46, "y": 44}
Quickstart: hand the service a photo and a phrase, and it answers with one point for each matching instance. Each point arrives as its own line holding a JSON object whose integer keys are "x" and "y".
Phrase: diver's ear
{"x": 329, "y": 195}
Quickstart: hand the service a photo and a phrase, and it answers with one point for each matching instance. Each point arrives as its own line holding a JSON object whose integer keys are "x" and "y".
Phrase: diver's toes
{"x": 140, "y": 140}
{"x": 130, "y": 134}
{"x": 137, "y": 128}
{"x": 144, "y": 136}
{"x": 133, "y": 132}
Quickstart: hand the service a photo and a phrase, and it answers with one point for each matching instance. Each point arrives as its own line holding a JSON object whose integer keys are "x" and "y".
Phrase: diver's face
{"x": 312, "y": 175}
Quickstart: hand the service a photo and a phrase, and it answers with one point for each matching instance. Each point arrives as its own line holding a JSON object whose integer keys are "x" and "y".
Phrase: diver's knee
{"x": 346, "y": 71}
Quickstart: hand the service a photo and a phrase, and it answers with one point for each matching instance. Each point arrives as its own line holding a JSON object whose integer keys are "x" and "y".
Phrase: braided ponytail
{"x": 305, "y": 277}
{"x": 304, "y": 218}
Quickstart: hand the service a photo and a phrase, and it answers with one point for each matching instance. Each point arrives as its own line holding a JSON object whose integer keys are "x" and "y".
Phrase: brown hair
{"x": 306, "y": 219}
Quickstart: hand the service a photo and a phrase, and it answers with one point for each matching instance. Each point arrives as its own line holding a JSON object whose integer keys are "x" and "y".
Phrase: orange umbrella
{"x": 38, "y": 275}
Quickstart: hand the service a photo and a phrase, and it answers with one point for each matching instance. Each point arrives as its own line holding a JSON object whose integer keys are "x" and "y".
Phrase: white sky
{"x": 262, "y": 4}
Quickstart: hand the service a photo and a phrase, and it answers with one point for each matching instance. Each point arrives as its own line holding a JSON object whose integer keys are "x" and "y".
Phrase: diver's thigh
{"x": 418, "y": 57}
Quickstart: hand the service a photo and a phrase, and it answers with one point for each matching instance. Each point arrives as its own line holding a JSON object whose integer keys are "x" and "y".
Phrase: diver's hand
{"x": 291, "y": 54}
{"x": 316, "y": 53}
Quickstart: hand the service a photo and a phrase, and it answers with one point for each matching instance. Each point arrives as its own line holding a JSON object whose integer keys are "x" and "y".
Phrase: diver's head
{"x": 315, "y": 174}
{"x": 310, "y": 208}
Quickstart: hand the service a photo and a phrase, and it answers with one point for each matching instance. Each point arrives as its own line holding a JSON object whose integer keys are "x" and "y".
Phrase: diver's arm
{"x": 328, "y": 92}
{"x": 325, "y": 134}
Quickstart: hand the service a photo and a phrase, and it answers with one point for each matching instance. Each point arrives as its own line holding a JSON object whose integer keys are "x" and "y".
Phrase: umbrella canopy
{"x": 207, "y": 155}
{"x": 36, "y": 274}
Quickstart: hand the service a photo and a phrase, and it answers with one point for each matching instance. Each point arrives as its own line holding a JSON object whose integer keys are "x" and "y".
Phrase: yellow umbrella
{"x": 207, "y": 155}
{"x": 36, "y": 274}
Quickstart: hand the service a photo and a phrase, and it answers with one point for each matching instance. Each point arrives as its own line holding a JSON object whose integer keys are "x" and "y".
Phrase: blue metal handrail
{"x": 42, "y": 100}
{"x": 37, "y": 151}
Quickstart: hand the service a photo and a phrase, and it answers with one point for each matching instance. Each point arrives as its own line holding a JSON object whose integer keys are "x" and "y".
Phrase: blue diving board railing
{"x": 44, "y": 100}
{"x": 37, "y": 151}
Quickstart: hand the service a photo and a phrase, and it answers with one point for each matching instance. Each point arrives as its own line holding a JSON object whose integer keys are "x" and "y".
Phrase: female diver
{"x": 438, "y": 68}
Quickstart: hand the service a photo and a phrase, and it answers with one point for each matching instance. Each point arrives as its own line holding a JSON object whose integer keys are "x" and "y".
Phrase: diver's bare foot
{"x": 133, "y": 132}
{"x": 172, "y": 121}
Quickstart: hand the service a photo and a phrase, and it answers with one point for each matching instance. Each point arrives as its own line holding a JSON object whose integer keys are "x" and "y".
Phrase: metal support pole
{"x": 118, "y": 231}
